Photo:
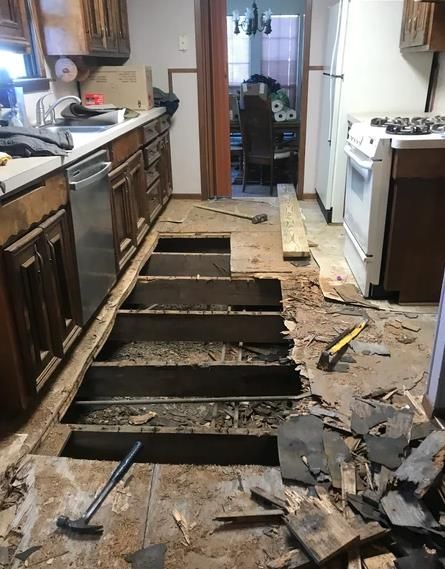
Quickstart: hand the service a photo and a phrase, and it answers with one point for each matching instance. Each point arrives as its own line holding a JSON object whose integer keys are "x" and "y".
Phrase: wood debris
{"x": 183, "y": 525}
{"x": 142, "y": 419}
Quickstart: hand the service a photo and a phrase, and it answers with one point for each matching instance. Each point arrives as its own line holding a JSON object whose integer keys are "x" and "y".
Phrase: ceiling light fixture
{"x": 252, "y": 22}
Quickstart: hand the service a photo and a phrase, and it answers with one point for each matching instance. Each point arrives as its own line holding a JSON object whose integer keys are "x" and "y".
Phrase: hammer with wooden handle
{"x": 260, "y": 218}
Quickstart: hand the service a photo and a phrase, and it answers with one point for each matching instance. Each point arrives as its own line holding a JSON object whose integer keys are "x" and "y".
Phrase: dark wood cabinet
{"x": 165, "y": 168}
{"x": 91, "y": 27}
{"x": 26, "y": 267}
{"x": 124, "y": 223}
{"x": 136, "y": 181}
{"x": 14, "y": 28}
{"x": 62, "y": 281}
{"x": 423, "y": 26}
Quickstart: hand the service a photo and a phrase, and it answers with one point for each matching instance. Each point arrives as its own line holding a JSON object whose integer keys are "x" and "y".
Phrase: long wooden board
{"x": 196, "y": 326}
{"x": 293, "y": 232}
{"x": 195, "y": 291}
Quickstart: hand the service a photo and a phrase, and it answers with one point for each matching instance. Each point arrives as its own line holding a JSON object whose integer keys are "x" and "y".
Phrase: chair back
{"x": 257, "y": 129}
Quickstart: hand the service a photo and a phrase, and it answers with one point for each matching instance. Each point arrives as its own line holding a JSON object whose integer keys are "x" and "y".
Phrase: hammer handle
{"x": 233, "y": 214}
{"x": 119, "y": 472}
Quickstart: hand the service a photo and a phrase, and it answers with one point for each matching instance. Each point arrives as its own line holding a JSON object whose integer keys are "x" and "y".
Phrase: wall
{"x": 57, "y": 89}
{"x": 155, "y": 28}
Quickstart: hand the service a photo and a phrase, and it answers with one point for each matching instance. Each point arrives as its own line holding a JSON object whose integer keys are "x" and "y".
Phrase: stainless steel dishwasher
{"x": 93, "y": 231}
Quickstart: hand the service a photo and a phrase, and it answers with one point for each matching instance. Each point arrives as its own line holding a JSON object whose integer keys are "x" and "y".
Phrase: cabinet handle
{"x": 39, "y": 260}
{"x": 52, "y": 251}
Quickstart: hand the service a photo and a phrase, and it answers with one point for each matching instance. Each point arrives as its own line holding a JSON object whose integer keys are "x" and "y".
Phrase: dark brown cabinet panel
{"x": 14, "y": 31}
{"x": 26, "y": 272}
{"x": 91, "y": 27}
{"x": 62, "y": 281}
{"x": 124, "y": 222}
{"x": 165, "y": 168}
{"x": 136, "y": 181}
{"x": 423, "y": 26}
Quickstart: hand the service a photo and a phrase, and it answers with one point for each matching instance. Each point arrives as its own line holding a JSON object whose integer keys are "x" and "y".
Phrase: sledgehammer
{"x": 82, "y": 525}
{"x": 260, "y": 218}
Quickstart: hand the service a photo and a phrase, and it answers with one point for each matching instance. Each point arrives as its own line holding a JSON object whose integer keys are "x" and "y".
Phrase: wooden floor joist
{"x": 293, "y": 232}
{"x": 119, "y": 379}
{"x": 188, "y": 264}
{"x": 195, "y": 291}
{"x": 198, "y": 326}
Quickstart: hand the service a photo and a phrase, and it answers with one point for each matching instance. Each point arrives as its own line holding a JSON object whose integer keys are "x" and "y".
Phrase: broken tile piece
{"x": 369, "y": 349}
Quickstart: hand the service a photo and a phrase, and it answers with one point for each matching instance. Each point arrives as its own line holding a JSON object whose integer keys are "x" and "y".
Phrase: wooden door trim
{"x": 213, "y": 119}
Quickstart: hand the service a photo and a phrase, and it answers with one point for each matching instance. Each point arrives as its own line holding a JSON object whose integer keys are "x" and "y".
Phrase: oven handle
{"x": 365, "y": 164}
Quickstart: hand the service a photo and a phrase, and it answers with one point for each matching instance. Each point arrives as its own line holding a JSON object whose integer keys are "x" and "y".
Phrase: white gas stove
{"x": 369, "y": 149}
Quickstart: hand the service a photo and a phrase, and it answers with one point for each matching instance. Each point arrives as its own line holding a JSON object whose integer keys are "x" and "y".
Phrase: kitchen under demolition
{"x": 222, "y": 291}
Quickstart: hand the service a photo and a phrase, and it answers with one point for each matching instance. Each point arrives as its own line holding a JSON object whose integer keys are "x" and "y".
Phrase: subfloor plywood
{"x": 199, "y": 493}
{"x": 62, "y": 486}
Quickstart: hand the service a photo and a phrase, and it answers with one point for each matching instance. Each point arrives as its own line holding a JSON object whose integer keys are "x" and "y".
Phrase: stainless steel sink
{"x": 78, "y": 128}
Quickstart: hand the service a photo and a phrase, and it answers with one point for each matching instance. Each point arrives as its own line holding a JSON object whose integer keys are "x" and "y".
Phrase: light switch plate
{"x": 183, "y": 43}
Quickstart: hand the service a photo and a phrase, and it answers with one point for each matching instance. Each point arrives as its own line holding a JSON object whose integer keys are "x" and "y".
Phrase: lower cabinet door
{"x": 124, "y": 223}
{"x": 26, "y": 270}
{"x": 62, "y": 281}
{"x": 136, "y": 181}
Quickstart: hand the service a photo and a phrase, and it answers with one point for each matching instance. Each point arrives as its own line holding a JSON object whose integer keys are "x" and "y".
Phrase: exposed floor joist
{"x": 119, "y": 379}
{"x": 198, "y": 326}
{"x": 195, "y": 291}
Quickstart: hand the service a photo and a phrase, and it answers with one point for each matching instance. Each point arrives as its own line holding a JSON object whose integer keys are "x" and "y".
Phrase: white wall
{"x": 57, "y": 89}
{"x": 155, "y": 28}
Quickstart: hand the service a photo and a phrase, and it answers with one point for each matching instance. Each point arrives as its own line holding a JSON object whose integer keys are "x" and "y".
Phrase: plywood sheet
{"x": 293, "y": 231}
{"x": 258, "y": 252}
{"x": 62, "y": 486}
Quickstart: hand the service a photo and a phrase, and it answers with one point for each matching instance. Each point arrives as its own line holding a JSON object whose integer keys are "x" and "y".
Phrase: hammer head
{"x": 78, "y": 526}
{"x": 260, "y": 218}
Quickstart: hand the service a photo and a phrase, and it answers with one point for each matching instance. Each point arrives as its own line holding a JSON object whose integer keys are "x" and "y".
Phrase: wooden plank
{"x": 349, "y": 486}
{"x": 61, "y": 486}
{"x": 119, "y": 379}
{"x": 294, "y": 559}
{"x": 381, "y": 561}
{"x": 188, "y": 264}
{"x": 255, "y": 327}
{"x": 250, "y": 517}
{"x": 323, "y": 534}
{"x": 194, "y": 291}
{"x": 424, "y": 465}
{"x": 293, "y": 232}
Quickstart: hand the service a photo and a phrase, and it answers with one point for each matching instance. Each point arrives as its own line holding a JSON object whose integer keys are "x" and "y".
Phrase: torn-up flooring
{"x": 388, "y": 366}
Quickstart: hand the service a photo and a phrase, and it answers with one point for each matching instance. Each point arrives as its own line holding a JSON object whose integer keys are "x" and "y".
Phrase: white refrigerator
{"x": 365, "y": 72}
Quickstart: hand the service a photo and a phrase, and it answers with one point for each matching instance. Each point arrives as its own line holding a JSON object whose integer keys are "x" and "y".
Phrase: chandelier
{"x": 252, "y": 21}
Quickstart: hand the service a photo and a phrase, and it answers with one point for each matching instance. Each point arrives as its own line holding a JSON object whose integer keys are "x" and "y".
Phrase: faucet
{"x": 42, "y": 114}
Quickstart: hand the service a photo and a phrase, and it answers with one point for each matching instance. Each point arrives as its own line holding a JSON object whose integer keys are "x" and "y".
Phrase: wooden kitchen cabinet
{"x": 14, "y": 28}
{"x": 423, "y": 26}
{"x": 165, "y": 168}
{"x": 124, "y": 217}
{"x": 96, "y": 28}
{"x": 136, "y": 181}
{"x": 44, "y": 295}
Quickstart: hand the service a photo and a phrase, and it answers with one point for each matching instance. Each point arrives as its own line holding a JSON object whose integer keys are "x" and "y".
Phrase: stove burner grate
{"x": 408, "y": 130}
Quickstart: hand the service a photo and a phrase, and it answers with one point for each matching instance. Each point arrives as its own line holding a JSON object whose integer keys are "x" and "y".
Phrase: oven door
{"x": 360, "y": 184}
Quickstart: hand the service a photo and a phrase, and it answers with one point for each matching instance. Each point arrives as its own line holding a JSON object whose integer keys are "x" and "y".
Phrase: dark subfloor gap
{"x": 198, "y": 244}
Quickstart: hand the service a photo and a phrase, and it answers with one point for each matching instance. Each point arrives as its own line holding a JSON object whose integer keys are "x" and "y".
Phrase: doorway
{"x": 264, "y": 70}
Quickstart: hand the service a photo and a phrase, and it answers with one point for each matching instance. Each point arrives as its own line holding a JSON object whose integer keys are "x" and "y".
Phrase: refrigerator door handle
{"x": 332, "y": 71}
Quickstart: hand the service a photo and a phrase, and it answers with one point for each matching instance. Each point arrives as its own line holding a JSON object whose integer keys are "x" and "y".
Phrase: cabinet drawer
{"x": 125, "y": 146}
{"x": 164, "y": 123}
{"x": 152, "y": 174}
{"x": 151, "y": 131}
{"x": 154, "y": 199}
{"x": 151, "y": 154}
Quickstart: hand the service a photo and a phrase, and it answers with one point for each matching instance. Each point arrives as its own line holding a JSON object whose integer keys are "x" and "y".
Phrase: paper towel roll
{"x": 281, "y": 116}
{"x": 66, "y": 69}
{"x": 291, "y": 115}
{"x": 277, "y": 106}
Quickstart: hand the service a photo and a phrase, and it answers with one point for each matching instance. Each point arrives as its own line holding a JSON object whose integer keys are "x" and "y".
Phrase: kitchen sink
{"x": 78, "y": 128}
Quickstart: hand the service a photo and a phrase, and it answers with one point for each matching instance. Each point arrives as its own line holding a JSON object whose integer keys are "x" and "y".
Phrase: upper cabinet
{"x": 423, "y": 26}
{"x": 14, "y": 29}
{"x": 96, "y": 28}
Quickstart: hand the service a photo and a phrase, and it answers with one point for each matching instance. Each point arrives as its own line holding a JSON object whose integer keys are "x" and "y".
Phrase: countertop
{"x": 23, "y": 171}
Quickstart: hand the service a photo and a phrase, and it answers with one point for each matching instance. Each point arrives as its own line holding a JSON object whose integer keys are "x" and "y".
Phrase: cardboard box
{"x": 128, "y": 86}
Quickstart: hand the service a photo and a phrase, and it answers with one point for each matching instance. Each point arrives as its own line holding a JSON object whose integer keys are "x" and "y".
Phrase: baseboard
{"x": 309, "y": 196}
{"x": 187, "y": 197}
{"x": 327, "y": 213}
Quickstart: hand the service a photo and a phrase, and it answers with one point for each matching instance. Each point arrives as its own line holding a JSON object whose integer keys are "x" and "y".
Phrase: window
{"x": 13, "y": 63}
{"x": 281, "y": 53}
{"x": 239, "y": 55}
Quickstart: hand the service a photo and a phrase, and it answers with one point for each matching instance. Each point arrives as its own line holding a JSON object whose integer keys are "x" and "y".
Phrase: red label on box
{"x": 94, "y": 99}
